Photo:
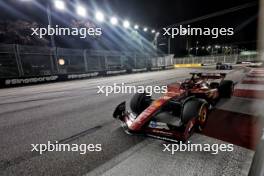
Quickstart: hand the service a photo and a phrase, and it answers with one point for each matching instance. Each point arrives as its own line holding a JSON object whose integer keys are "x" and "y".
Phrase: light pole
{"x": 155, "y": 41}
{"x": 169, "y": 45}
{"x": 50, "y": 24}
{"x": 197, "y": 42}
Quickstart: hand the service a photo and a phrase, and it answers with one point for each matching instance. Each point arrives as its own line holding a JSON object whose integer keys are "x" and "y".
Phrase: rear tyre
{"x": 196, "y": 108}
{"x": 226, "y": 88}
{"x": 202, "y": 118}
{"x": 139, "y": 102}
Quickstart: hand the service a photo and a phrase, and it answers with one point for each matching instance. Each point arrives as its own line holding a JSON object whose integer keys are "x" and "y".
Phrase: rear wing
{"x": 209, "y": 75}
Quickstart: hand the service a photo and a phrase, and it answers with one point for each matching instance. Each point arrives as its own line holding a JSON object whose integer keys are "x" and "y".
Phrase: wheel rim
{"x": 203, "y": 115}
{"x": 202, "y": 118}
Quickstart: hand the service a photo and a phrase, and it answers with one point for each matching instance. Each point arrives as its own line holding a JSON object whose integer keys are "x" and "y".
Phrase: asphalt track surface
{"x": 73, "y": 112}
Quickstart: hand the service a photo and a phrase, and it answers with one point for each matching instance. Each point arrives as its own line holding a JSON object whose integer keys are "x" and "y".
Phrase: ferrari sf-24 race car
{"x": 180, "y": 112}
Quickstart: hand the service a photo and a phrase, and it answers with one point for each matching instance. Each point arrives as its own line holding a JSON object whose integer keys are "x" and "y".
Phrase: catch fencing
{"x": 28, "y": 61}
{"x": 211, "y": 60}
{"x": 20, "y": 64}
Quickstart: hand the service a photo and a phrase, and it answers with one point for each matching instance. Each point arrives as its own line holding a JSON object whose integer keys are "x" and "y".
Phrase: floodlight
{"x": 126, "y": 24}
{"x": 99, "y": 16}
{"x": 61, "y": 62}
{"x": 114, "y": 20}
{"x": 59, "y": 4}
{"x": 81, "y": 11}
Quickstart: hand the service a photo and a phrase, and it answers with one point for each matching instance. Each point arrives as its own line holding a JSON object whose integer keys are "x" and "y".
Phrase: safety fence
{"x": 209, "y": 60}
{"x": 21, "y": 61}
{"x": 20, "y": 64}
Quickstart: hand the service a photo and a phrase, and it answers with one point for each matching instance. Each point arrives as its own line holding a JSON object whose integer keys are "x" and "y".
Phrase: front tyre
{"x": 139, "y": 102}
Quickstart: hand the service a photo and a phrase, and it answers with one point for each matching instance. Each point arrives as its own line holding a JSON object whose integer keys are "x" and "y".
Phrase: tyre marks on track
{"x": 4, "y": 164}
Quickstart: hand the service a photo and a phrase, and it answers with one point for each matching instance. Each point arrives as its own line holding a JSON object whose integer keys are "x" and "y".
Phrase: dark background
{"x": 17, "y": 16}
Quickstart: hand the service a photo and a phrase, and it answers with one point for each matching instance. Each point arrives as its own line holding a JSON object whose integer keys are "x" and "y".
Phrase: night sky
{"x": 157, "y": 14}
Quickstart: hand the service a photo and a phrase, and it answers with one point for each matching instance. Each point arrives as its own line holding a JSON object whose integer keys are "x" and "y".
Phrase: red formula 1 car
{"x": 178, "y": 113}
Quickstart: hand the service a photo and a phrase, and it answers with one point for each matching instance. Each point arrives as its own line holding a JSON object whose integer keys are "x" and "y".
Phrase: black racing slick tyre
{"x": 139, "y": 102}
{"x": 202, "y": 117}
{"x": 196, "y": 108}
{"x": 226, "y": 88}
